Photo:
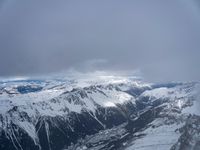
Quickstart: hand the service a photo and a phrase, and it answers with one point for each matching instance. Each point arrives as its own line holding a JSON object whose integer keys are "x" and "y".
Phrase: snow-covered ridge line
{"x": 67, "y": 104}
{"x": 29, "y": 92}
{"x": 54, "y": 99}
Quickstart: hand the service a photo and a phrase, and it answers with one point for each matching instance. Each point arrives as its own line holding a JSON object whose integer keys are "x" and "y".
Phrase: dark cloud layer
{"x": 159, "y": 38}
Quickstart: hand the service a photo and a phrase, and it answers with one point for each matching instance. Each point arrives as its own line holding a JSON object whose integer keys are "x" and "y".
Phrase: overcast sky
{"x": 159, "y": 38}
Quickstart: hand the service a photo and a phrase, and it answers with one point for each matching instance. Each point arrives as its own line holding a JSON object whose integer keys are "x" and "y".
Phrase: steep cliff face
{"x": 91, "y": 114}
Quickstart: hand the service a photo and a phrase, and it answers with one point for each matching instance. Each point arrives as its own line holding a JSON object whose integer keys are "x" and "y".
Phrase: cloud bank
{"x": 159, "y": 38}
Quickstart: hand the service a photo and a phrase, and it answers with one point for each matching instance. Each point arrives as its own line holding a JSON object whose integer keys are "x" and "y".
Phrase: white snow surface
{"x": 58, "y": 98}
{"x": 162, "y": 137}
{"x": 165, "y": 92}
{"x": 41, "y": 101}
{"x": 8, "y": 102}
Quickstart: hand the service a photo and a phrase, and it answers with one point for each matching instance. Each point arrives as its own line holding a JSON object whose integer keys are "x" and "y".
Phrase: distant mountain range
{"x": 100, "y": 113}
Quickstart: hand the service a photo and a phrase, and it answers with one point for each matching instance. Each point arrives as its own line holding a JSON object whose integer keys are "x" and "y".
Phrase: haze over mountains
{"x": 160, "y": 39}
{"x": 99, "y": 75}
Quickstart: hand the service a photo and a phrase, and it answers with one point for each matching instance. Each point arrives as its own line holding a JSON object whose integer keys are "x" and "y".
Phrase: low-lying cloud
{"x": 159, "y": 38}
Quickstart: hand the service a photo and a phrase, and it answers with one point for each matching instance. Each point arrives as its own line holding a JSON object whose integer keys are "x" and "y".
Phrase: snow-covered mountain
{"x": 101, "y": 112}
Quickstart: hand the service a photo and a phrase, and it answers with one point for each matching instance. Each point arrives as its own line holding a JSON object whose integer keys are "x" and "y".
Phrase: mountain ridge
{"x": 54, "y": 114}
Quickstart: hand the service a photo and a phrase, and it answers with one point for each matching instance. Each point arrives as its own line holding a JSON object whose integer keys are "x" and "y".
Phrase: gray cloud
{"x": 159, "y": 38}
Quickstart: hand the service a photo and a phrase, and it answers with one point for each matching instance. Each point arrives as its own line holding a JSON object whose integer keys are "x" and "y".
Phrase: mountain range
{"x": 98, "y": 113}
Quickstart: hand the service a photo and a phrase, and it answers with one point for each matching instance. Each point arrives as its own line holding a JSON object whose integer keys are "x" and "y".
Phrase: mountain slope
{"x": 104, "y": 113}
